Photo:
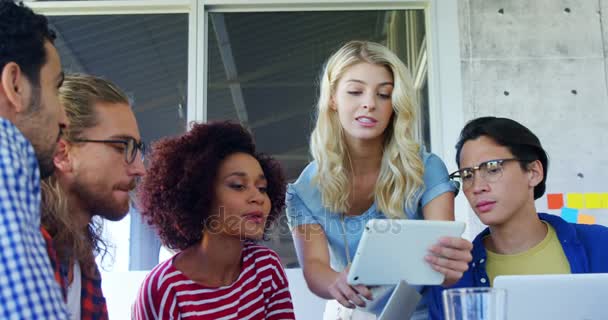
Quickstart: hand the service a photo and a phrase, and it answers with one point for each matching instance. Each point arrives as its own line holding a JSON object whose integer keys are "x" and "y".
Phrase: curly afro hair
{"x": 177, "y": 192}
{"x": 22, "y": 36}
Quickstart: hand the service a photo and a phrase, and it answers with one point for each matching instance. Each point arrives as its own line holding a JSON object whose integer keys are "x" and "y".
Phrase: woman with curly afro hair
{"x": 211, "y": 196}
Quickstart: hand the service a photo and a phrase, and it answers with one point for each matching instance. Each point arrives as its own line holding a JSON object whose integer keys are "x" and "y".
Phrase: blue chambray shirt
{"x": 27, "y": 285}
{"x": 304, "y": 206}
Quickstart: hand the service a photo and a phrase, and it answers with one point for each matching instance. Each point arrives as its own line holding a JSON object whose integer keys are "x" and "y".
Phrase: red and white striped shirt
{"x": 260, "y": 292}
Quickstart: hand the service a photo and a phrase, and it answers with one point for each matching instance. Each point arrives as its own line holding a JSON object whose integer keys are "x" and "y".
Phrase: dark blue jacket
{"x": 585, "y": 247}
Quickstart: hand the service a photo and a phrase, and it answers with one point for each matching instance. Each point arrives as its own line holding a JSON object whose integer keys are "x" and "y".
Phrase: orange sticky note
{"x": 604, "y": 197}
{"x": 555, "y": 200}
{"x": 593, "y": 201}
{"x": 585, "y": 219}
{"x": 575, "y": 200}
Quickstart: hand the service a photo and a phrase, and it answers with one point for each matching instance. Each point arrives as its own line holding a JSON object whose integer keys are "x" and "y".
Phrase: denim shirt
{"x": 585, "y": 247}
{"x": 304, "y": 206}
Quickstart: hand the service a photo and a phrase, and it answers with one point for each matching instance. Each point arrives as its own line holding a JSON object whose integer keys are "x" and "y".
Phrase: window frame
{"x": 444, "y": 74}
{"x": 131, "y": 7}
{"x": 446, "y": 114}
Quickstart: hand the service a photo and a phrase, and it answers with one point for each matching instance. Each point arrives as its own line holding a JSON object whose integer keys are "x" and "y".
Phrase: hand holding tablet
{"x": 392, "y": 250}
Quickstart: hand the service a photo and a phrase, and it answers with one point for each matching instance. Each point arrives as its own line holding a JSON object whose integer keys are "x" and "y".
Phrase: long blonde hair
{"x": 78, "y": 95}
{"x": 70, "y": 242}
{"x": 401, "y": 171}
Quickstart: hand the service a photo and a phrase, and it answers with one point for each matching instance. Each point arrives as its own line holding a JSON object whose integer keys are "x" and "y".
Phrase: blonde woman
{"x": 367, "y": 165}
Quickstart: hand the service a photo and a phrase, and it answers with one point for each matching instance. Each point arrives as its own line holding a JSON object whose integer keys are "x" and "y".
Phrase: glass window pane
{"x": 146, "y": 56}
{"x": 263, "y": 70}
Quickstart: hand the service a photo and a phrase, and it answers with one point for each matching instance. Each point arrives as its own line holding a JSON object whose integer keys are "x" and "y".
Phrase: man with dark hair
{"x": 31, "y": 119}
{"x": 502, "y": 170}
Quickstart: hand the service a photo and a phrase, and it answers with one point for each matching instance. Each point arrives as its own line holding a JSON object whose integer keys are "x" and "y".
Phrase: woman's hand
{"x": 347, "y": 295}
{"x": 451, "y": 256}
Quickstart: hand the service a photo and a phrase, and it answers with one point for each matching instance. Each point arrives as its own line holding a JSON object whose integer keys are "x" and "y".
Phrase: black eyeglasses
{"x": 130, "y": 150}
{"x": 491, "y": 171}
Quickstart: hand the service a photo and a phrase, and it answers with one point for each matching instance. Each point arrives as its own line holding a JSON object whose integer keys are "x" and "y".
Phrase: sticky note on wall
{"x": 593, "y": 201}
{"x": 555, "y": 200}
{"x": 604, "y": 197}
{"x": 586, "y": 219}
{"x": 575, "y": 200}
{"x": 570, "y": 215}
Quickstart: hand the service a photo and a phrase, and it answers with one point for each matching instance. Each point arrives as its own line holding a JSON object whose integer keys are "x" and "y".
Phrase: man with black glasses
{"x": 502, "y": 170}
{"x": 31, "y": 119}
{"x": 98, "y": 160}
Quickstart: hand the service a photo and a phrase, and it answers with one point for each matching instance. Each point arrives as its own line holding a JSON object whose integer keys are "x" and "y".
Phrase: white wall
{"x": 539, "y": 52}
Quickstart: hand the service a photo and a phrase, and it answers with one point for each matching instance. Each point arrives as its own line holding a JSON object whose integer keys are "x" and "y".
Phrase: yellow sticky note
{"x": 593, "y": 201}
{"x": 604, "y": 197}
{"x": 575, "y": 200}
{"x": 585, "y": 219}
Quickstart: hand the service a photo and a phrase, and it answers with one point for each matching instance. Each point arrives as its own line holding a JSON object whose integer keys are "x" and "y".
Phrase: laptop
{"x": 556, "y": 297}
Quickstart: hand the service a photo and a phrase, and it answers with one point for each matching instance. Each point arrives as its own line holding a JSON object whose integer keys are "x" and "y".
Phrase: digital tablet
{"x": 402, "y": 303}
{"x": 391, "y": 250}
{"x": 392, "y": 302}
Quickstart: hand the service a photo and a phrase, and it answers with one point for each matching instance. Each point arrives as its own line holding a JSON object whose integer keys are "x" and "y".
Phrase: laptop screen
{"x": 556, "y": 297}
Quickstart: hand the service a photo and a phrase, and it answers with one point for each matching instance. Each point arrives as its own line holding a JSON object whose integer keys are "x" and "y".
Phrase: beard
{"x": 43, "y": 150}
{"x": 45, "y": 163}
{"x": 99, "y": 203}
